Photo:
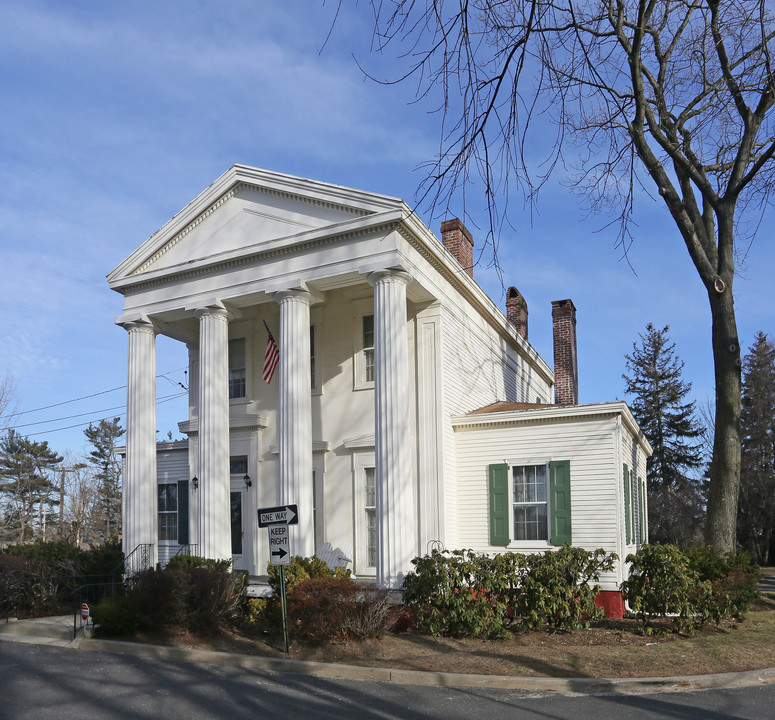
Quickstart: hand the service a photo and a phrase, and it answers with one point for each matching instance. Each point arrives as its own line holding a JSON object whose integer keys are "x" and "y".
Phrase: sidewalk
{"x": 58, "y": 632}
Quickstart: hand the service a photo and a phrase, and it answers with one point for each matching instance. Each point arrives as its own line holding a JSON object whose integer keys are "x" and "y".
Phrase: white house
{"x": 407, "y": 411}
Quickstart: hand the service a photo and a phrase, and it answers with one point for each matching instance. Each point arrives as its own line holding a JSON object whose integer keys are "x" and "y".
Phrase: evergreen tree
{"x": 103, "y": 437}
{"x": 24, "y": 468}
{"x": 659, "y": 404}
{"x": 756, "y": 506}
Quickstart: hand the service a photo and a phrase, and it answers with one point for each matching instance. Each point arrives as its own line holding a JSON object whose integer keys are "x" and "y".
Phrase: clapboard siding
{"x": 590, "y": 446}
{"x": 171, "y": 466}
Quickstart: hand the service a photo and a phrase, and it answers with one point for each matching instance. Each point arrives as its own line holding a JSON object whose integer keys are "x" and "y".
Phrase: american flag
{"x": 272, "y": 356}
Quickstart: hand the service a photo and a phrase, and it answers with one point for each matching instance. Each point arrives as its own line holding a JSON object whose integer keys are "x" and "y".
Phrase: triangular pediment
{"x": 244, "y": 211}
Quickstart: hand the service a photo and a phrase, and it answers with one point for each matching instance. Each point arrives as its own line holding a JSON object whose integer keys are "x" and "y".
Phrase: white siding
{"x": 589, "y": 445}
{"x": 171, "y": 466}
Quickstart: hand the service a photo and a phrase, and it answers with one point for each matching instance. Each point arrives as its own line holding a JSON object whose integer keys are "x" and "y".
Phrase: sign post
{"x": 276, "y": 520}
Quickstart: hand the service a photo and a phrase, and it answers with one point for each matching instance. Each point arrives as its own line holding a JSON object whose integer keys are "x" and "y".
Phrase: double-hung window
{"x": 168, "y": 511}
{"x": 368, "y": 348}
{"x": 529, "y": 502}
{"x": 237, "y": 369}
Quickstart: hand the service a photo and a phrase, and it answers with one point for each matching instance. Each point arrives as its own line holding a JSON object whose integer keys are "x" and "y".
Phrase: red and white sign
{"x": 84, "y": 612}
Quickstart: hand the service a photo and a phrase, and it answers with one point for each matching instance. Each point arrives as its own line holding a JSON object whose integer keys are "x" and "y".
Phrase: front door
{"x": 237, "y": 531}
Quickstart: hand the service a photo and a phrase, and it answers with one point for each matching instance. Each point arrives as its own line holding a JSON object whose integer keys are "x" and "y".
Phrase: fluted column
{"x": 296, "y": 417}
{"x": 141, "y": 518}
{"x": 396, "y": 531}
{"x": 214, "y": 524}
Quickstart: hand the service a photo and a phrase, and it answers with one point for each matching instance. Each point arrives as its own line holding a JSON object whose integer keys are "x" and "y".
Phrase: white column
{"x": 193, "y": 447}
{"x": 396, "y": 532}
{"x": 214, "y": 518}
{"x": 296, "y": 417}
{"x": 140, "y": 494}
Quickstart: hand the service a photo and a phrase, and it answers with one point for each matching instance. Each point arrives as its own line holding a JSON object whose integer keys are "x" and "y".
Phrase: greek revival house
{"x": 406, "y": 411}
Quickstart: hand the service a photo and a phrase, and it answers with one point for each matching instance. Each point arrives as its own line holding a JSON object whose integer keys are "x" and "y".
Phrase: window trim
{"x": 362, "y": 462}
{"x": 360, "y": 381}
{"x": 246, "y": 337}
{"x": 159, "y": 513}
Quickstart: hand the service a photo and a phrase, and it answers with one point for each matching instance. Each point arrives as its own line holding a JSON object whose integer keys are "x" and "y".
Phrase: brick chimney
{"x": 459, "y": 242}
{"x": 516, "y": 310}
{"x": 566, "y": 369}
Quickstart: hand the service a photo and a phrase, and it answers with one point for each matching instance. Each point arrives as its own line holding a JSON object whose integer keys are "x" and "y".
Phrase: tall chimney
{"x": 459, "y": 242}
{"x": 516, "y": 310}
{"x": 566, "y": 369}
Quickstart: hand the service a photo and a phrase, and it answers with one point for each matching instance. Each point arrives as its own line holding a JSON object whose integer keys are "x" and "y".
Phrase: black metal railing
{"x": 186, "y": 549}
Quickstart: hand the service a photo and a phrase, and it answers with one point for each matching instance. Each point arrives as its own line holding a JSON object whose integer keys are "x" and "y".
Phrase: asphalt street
{"x": 39, "y": 682}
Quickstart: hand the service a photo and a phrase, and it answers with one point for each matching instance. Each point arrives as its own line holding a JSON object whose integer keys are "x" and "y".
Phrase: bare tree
{"x": 7, "y": 400}
{"x": 675, "y": 95}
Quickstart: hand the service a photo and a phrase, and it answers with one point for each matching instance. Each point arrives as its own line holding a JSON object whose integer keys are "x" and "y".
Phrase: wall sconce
{"x": 248, "y": 482}
{"x": 195, "y": 482}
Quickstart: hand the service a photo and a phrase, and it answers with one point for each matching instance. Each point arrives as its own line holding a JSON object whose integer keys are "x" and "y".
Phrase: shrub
{"x": 215, "y": 596}
{"x": 199, "y": 597}
{"x": 299, "y": 569}
{"x": 370, "y": 616}
{"x": 460, "y": 593}
{"x": 30, "y": 586}
{"x": 194, "y": 561}
{"x": 321, "y": 608}
{"x": 115, "y": 616}
{"x": 733, "y": 576}
{"x": 160, "y": 597}
{"x": 662, "y": 584}
{"x": 558, "y": 588}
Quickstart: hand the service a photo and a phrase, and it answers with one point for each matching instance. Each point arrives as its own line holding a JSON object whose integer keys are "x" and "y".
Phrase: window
{"x": 237, "y": 369}
{"x": 314, "y": 382}
{"x": 168, "y": 511}
{"x": 365, "y": 513}
{"x": 530, "y": 503}
{"x": 370, "y": 508}
{"x": 238, "y": 465}
{"x": 367, "y": 345}
{"x": 529, "y": 507}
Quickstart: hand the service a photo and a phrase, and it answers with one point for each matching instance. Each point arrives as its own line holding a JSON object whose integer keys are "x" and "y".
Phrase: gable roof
{"x": 246, "y": 207}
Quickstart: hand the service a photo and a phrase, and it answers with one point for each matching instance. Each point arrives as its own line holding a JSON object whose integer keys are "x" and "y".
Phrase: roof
{"x": 505, "y": 406}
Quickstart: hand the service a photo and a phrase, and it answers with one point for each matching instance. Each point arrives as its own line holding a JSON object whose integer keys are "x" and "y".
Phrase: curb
{"x": 419, "y": 677}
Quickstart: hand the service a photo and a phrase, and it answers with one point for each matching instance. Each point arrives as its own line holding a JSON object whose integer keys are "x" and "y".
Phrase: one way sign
{"x": 283, "y": 515}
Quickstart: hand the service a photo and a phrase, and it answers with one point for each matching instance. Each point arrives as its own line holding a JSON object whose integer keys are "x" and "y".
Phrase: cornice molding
{"x": 387, "y": 226}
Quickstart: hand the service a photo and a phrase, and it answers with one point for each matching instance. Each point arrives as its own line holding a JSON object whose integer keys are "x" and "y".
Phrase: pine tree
{"x": 756, "y": 506}
{"x": 24, "y": 468}
{"x": 659, "y": 404}
{"x": 103, "y": 437}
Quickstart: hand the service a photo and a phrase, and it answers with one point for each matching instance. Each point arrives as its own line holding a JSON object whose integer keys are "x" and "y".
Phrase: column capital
{"x": 137, "y": 322}
{"x": 301, "y": 296}
{"x": 389, "y": 275}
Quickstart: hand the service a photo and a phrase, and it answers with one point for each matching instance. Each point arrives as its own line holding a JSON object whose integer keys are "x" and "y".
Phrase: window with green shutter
{"x": 536, "y": 506}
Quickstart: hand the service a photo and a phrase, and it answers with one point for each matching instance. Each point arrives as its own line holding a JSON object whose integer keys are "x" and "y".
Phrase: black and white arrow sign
{"x": 282, "y": 515}
{"x": 279, "y": 552}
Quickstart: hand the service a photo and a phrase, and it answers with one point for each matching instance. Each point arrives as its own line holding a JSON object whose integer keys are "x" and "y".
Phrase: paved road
{"x": 38, "y": 683}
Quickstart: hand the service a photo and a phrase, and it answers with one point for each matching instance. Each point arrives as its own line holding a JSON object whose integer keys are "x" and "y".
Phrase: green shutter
{"x": 643, "y": 520}
{"x": 182, "y": 512}
{"x": 627, "y": 505}
{"x": 559, "y": 502}
{"x": 499, "y": 504}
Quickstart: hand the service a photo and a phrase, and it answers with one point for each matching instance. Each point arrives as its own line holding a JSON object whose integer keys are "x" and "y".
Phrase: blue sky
{"x": 114, "y": 115}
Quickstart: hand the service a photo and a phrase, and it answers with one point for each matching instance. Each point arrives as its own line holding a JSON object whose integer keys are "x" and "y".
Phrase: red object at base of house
{"x": 612, "y": 602}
